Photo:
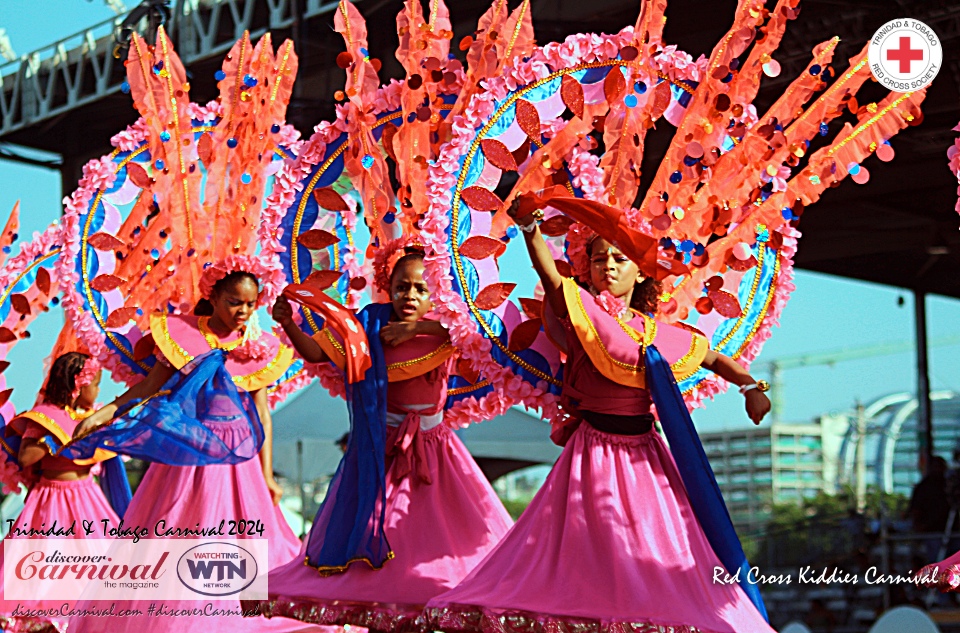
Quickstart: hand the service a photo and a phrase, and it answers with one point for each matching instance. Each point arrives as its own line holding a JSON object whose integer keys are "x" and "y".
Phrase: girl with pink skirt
{"x": 184, "y": 496}
{"x": 611, "y": 541}
{"x": 438, "y": 516}
{"x": 65, "y": 494}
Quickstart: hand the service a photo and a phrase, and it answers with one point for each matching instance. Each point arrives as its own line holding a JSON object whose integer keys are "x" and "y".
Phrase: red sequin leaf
{"x": 614, "y": 85}
{"x": 106, "y": 283}
{"x": 120, "y": 317}
{"x": 776, "y": 240}
{"x": 661, "y": 99}
{"x": 138, "y": 175}
{"x": 43, "y": 280}
{"x": 524, "y": 335}
{"x": 205, "y": 149}
{"x": 20, "y": 303}
{"x": 5, "y": 395}
{"x": 555, "y": 226}
{"x": 493, "y": 295}
{"x": 330, "y": 200}
{"x": 105, "y": 242}
{"x": 498, "y": 154}
{"x": 572, "y": 94}
{"x": 522, "y": 153}
{"x": 480, "y": 199}
{"x": 467, "y": 372}
{"x": 481, "y": 247}
{"x": 563, "y": 267}
{"x": 323, "y": 279}
{"x": 531, "y": 307}
{"x": 528, "y": 119}
{"x": 389, "y": 131}
{"x": 144, "y": 348}
{"x": 317, "y": 239}
{"x": 3, "y": 365}
{"x": 725, "y": 304}
{"x": 7, "y": 335}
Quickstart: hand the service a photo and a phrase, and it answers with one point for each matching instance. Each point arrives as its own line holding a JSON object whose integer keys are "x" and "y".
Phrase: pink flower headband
{"x": 387, "y": 258}
{"x": 579, "y": 237}
{"x": 269, "y": 278}
{"x": 89, "y": 371}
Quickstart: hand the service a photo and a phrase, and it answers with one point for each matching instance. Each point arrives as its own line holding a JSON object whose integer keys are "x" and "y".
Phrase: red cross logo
{"x": 905, "y": 55}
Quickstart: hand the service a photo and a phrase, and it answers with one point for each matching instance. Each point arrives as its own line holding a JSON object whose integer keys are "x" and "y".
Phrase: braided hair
{"x": 205, "y": 308}
{"x": 63, "y": 379}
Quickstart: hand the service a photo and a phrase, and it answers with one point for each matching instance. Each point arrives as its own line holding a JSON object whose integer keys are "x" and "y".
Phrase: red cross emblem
{"x": 904, "y": 54}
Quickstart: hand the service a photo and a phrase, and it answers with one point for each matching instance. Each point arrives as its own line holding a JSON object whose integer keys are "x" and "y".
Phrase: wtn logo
{"x": 217, "y": 569}
{"x": 224, "y": 569}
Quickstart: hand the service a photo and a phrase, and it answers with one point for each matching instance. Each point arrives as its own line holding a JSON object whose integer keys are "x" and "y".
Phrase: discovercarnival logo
{"x": 217, "y": 569}
{"x": 121, "y": 569}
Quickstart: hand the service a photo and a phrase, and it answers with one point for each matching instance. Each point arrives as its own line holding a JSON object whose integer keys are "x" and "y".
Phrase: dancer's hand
{"x": 276, "y": 492}
{"x": 758, "y": 405}
{"x": 514, "y": 209}
{"x": 87, "y": 427}
{"x": 397, "y": 332}
{"x": 282, "y": 311}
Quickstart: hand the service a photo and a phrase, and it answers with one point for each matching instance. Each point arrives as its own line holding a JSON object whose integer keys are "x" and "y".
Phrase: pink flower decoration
{"x": 614, "y": 306}
{"x": 271, "y": 281}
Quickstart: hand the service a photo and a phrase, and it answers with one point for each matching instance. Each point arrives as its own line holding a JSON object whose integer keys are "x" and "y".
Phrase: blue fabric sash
{"x": 198, "y": 418}
{"x": 697, "y": 475}
{"x": 349, "y": 524}
{"x": 115, "y": 485}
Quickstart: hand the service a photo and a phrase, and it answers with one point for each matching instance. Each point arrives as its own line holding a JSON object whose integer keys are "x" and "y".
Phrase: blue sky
{"x": 825, "y": 314}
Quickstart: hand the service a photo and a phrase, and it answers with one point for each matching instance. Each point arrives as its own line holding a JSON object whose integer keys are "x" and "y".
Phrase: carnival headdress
{"x": 179, "y": 199}
{"x": 719, "y": 222}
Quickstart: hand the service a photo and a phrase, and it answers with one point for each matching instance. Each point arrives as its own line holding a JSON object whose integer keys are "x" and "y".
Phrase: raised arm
{"x": 757, "y": 403}
{"x": 147, "y": 387}
{"x": 308, "y": 348}
{"x": 542, "y": 260}
{"x": 266, "y": 451}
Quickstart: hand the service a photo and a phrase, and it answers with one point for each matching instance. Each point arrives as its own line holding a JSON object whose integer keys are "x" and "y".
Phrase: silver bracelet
{"x": 528, "y": 228}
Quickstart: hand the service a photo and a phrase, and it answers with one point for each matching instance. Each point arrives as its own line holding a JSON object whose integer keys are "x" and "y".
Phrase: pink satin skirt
{"x": 437, "y": 531}
{"x": 183, "y": 497}
{"x": 66, "y": 503}
{"x": 610, "y": 543}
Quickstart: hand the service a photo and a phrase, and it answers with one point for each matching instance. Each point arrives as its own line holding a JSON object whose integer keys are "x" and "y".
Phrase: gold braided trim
{"x": 459, "y": 391}
{"x": 213, "y": 340}
{"x": 407, "y": 369}
{"x": 331, "y": 347}
{"x": 622, "y": 373}
{"x": 179, "y": 357}
{"x": 690, "y": 362}
{"x": 63, "y": 437}
{"x": 48, "y": 423}
{"x": 331, "y": 570}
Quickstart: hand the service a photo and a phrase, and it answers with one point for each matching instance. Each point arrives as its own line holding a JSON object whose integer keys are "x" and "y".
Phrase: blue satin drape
{"x": 349, "y": 524}
{"x": 697, "y": 475}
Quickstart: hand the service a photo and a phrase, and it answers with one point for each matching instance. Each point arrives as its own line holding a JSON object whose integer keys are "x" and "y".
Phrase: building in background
{"x": 785, "y": 463}
{"x": 780, "y": 463}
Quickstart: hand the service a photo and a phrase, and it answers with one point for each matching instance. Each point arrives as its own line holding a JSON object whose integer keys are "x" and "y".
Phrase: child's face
{"x": 408, "y": 291}
{"x": 610, "y": 269}
{"x": 88, "y": 393}
{"x": 236, "y": 303}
